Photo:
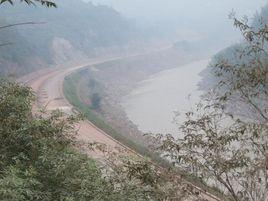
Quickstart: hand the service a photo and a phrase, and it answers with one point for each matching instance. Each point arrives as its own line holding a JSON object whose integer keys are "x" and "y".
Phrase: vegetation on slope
{"x": 70, "y": 93}
{"x": 73, "y": 29}
{"x": 39, "y": 162}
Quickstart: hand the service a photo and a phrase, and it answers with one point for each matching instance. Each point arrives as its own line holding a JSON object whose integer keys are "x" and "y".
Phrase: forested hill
{"x": 74, "y": 28}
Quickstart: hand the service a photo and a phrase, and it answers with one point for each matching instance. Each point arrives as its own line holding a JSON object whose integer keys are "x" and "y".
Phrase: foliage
{"x": 95, "y": 101}
{"x": 29, "y": 2}
{"x": 225, "y": 139}
{"x": 39, "y": 162}
{"x": 159, "y": 184}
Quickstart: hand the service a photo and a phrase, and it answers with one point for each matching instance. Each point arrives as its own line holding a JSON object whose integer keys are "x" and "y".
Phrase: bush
{"x": 95, "y": 101}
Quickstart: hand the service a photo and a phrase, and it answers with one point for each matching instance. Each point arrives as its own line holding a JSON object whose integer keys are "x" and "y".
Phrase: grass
{"x": 70, "y": 92}
{"x": 71, "y": 95}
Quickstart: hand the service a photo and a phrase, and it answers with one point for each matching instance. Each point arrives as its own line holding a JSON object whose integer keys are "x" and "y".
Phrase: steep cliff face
{"x": 75, "y": 29}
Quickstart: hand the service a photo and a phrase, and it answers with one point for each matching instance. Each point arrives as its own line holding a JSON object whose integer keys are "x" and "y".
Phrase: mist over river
{"x": 153, "y": 103}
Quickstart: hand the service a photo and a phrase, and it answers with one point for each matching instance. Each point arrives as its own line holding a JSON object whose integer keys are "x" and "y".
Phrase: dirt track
{"x": 48, "y": 86}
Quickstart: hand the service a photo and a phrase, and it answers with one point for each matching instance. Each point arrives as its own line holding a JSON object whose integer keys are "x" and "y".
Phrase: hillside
{"x": 233, "y": 52}
{"x": 73, "y": 30}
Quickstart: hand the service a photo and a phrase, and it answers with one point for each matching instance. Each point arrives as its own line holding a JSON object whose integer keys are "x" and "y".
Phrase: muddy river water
{"x": 153, "y": 103}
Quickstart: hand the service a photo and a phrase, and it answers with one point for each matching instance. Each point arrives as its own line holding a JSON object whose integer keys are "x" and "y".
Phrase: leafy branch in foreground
{"x": 225, "y": 140}
{"x": 154, "y": 182}
{"x": 33, "y": 2}
{"x": 19, "y": 24}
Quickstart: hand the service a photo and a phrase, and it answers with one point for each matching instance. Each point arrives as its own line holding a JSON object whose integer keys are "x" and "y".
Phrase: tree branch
{"x": 5, "y": 44}
{"x": 253, "y": 105}
{"x": 22, "y": 23}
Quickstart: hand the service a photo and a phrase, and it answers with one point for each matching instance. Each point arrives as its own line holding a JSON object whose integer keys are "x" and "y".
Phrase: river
{"x": 153, "y": 103}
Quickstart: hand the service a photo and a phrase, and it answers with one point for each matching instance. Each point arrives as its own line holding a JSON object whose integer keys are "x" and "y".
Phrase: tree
{"x": 226, "y": 138}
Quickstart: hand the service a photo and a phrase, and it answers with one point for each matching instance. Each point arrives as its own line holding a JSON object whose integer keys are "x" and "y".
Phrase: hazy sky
{"x": 200, "y": 17}
{"x": 151, "y": 9}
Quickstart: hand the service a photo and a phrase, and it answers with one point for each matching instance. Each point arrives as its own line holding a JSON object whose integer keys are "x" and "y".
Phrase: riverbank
{"x": 70, "y": 93}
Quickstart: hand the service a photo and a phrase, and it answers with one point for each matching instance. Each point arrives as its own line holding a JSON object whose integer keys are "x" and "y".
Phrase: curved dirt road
{"x": 48, "y": 86}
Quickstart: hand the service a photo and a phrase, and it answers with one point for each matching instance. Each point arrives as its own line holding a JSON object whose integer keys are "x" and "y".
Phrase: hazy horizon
{"x": 188, "y": 18}
{"x": 159, "y": 9}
